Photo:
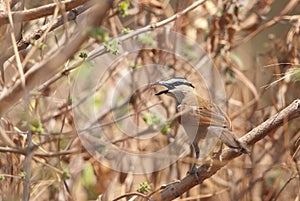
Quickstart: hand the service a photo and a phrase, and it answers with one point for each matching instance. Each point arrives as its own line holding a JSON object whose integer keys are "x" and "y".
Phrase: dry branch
{"x": 208, "y": 169}
{"x": 44, "y": 70}
{"x": 37, "y": 34}
{"x": 71, "y": 15}
{"x": 290, "y": 5}
{"x": 35, "y": 13}
{"x": 101, "y": 49}
{"x": 10, "y": 97}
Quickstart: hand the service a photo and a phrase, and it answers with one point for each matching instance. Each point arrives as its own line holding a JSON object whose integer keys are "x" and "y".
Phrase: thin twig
{"x": 101, "y": 49}
{"x": 71, "y": 15}
{"x": 35, "y": 13}
{"x": 44, "y": 70}
{"x": 291, "y": 4}
{"x": 130, "y": 195}
{"x": 283, "y": 187}
{"x": 48, "y": 154}
{"x": 14, "y": 43}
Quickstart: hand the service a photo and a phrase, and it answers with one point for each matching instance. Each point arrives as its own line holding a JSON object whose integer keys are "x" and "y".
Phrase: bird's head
{"x": 177, "y": 87}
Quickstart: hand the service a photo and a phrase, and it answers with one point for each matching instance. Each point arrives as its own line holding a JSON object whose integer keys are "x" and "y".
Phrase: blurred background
{"x": 51, "y": 143}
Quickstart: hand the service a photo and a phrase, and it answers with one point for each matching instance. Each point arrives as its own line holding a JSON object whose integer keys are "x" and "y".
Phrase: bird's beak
{"x": 164, "y": 91}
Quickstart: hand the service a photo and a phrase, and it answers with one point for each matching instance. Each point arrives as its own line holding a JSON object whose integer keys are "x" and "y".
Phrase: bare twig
{"x": 127, "y": 195}
{"x": 48, "y": 154}
{"x": 5, "y": 140}
{"x": 44, "y": 70}
{"x": 101, "y": 49}
{"x": 35, "y": 13}
{"x": 244, "y": 79}
{"x": 97, "y": 52}
{"x": 14, "y": 43}
{"x": 36, "y": 34}
{"x": 71, "y": 15}
{"x": 291, "y": 4}
{"x": 284, "y": 186}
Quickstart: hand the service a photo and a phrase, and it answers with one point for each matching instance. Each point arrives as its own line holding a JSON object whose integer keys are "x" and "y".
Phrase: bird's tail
{"x": 228, "y": 138}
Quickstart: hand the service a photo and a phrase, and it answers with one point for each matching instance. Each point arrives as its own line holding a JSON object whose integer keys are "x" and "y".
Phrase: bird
{"x": 198, "y": 116}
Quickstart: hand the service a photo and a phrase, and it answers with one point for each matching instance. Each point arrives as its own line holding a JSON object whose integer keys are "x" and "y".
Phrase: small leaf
{"x": 123, "y": 8}
{"x": 152, "y": 119}
{"x": 32, "y": 41}
{"x": 88, "y": 176}
{"x": 144, "y": 187}
{"x": 66, "y": 174}
{"x": 42, "y": 46}
{"x": 83, "y": 55}
{"x": 2, "y": 177}
{"x": 166, "y": 129}
{"x": 22, "y": 175}
{"x": 136, "y": 67}
{"x": 98, "y": 34}
{"x": 296, "y": 73}
{"x": 229, "y": 76}
{"x": 155, "y": 120}
{"x": 189, "y": 52}
{"x": 148, "y": 119}
{"x": 147, "y": 39}
{"x": 126, "y": 30}
{"x": 36, "y": 126}
{"x": 112, "y": 47}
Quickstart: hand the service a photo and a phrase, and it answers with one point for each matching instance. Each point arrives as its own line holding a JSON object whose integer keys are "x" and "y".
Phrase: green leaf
{"x": 88, "y": 177}
{"x": 147, "y": 39}
{"x": 155, "y": 120}
{"x": 83, "y": 55}
{"x": 98, "y": 34}
{"x": 32, "y": 41}
{"x": 229, "y": 76}
{"x": 22, "y": 175}
{"x": 165, "y": 129}
{"x": 66, "y": 174}
{"x": 144, "y": 187}
{"x": 2, "y": 177}
{"x": 152, "y": 119}
{"x": 42, "y": 46}
{"x": 136, "y": 67}
{"x": 126, "y": 30}
{"x": 36, "y": 126}
{"x": 123, "y": 8}
{"x": 112, "y": 47}
{"x": 148, "y": 119}
{"x": 189, "y": 52}
{"x": 296, "y": 73}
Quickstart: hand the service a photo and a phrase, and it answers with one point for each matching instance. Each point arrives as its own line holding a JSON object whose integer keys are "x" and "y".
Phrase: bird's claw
{"x": 194, "y": 171}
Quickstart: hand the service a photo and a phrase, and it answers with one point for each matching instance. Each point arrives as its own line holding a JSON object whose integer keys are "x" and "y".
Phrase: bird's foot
{"x": 217, "y": 155}
{"x": 194, "y": 171}
{"x": 244, "y": 150}
{"x": 217, "y": 152}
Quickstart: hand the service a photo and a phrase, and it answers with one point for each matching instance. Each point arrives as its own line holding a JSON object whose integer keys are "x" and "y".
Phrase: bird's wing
{"x": 214, "y": 119}
{"x": 204, "y": 115}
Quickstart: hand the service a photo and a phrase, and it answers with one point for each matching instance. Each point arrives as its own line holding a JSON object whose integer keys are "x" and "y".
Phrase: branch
{"x": 15, "y": 94}
{"x": 71, "y": 15}
{"x": 35, "y": 13}
{"x": 101, "y": 49}
{"x": 208, "y": 169}
{"x": 36, "y": 34}
{"x": 47, "y": 68}
{"x": 290, "y": 5}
